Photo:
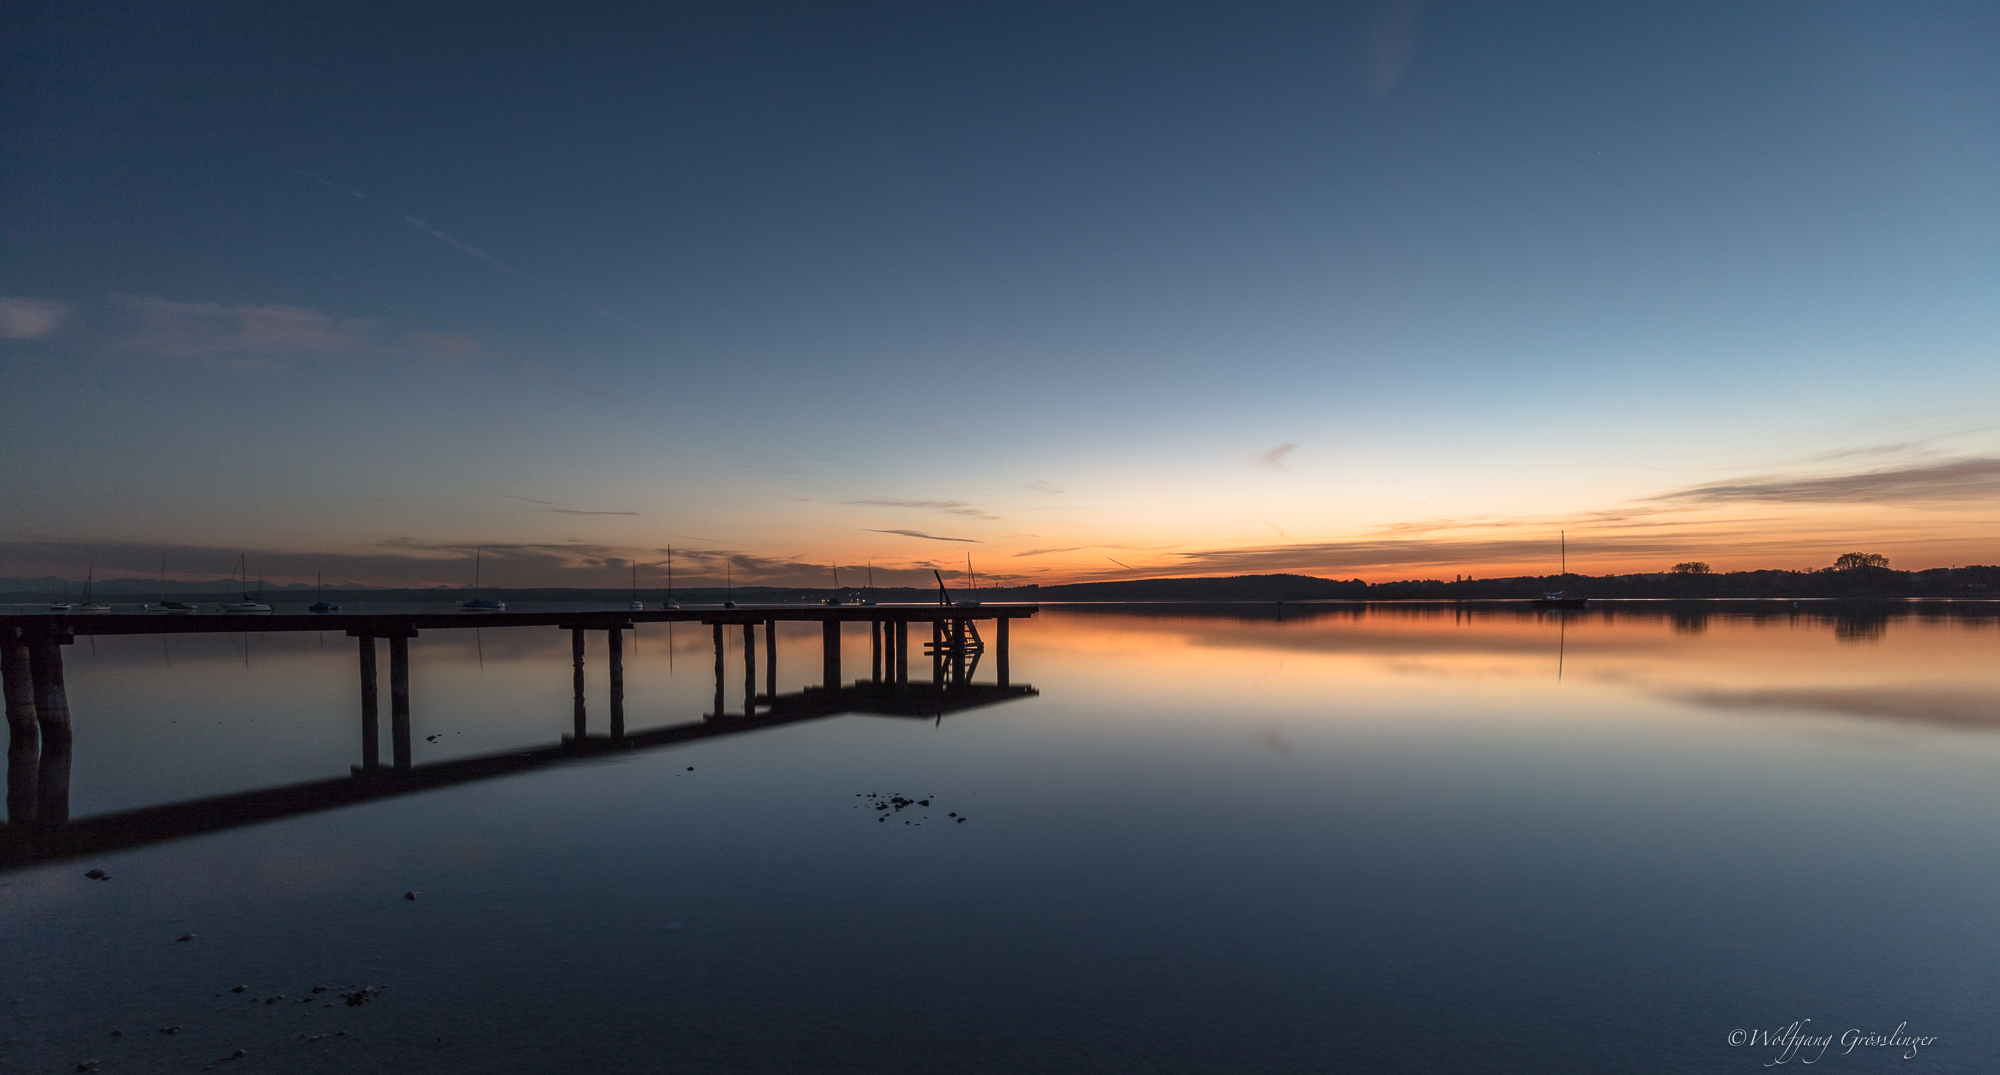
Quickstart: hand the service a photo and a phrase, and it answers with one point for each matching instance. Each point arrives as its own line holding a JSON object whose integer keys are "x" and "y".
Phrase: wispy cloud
{"x": 529, "y": 499}
{"x": 1962, "y": 479}
{"x": 444, "y": 348}
{"x": 574, "y": 511}
{"x": 212, "y": 329}
{"x": 1390, "y": 42}
{"x": 954, "y": 507}
{"x": 1040, "y": 486}
{"x": 1275, "y": 458}
{"x": 921, "y": 534}
{"x": 941, "y": 429}
{"x": 475, "y": 252}
{"x": 25, "y": 318}
{"x": 535, "y": 371}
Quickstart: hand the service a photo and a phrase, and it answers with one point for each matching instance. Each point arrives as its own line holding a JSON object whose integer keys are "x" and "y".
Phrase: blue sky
{"x": 1375, "y": 289}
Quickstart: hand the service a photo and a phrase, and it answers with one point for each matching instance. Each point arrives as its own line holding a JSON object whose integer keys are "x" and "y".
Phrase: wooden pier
{"x": 40, "y": 741}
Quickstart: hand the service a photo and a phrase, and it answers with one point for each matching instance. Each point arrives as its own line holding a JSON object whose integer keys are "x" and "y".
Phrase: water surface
{"x": 1415, "y": 838}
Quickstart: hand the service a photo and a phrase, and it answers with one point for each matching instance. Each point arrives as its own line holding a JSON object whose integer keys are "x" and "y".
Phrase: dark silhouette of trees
{"x": 1692, "y": 567}
{"x": 1850, "y": 561}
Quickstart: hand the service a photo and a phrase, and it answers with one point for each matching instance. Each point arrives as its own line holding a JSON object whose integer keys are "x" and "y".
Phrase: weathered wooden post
{"x": 874, "y": 651}
{"x": 718, "y": 668}
{"x": 771, "y": 658}
{"x": 371, "y": 713}
{"x": 24, "y": 742}
{"x": 937, "y": 653}
{"x": 1000, "y": 650}
{"x": 902, "y": 653}
{"x": 830, "y": 655}
{"x": 399, "y": 698}
{"x": 749, "y": 668}
{"x": 45, "y": 667}
{"x": 958, "y": 653}
{"x": 614, "y": 641}
{"x": 576, "y": 678}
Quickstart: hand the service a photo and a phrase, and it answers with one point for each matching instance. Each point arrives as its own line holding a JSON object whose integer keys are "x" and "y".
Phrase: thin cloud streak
{"x": 24, "y": 318}
{"x": 1964, "y": 479}
{"x": 921, "y": 534}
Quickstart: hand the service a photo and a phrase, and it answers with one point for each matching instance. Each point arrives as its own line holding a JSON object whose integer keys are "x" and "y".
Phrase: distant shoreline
{"x": 1972, "y": 583}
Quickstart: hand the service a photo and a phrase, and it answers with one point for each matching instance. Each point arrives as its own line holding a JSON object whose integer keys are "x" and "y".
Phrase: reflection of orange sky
{"x": 1929, "y": 672}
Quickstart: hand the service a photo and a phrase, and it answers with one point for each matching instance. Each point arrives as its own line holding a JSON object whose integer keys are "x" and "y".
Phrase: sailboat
{"x": 637, "y": 605}
{"x": 835, "y": 599}
{"x": 869, "y": 599}
{"x": 1555, "y": 598}
{"x": 481, "y": 604}
{"x": 972, "y": 584}
{"x": 248, "y": 604}
{"x": 729, "y": 581}
{"x": 89, "y": 585}
{"x": 671, "y": 603}
{"x": 64, "y": 604}
{"x": 320, "y": 605}
{"x": 177, "y": 607}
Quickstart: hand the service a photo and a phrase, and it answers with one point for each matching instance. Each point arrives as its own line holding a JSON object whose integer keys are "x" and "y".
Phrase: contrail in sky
{"x": 482, "y": 255}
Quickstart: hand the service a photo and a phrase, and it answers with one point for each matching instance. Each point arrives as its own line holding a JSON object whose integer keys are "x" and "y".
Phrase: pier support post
{"x": 749, "y": 669}
{"x": 958, "y": 653}
{"x": 614, "y": 643}
{"x": 576, "y": 678}
{"x": 24, "y": 742}
{"x": 937, "y": 653}
{"x": 371, "y": 712}
{"x": 830, "y": 656}
{"x": 771, "y": 658}
{"x": 874, "y": 651}
{"x": 718, "y": 668}
{"x": 902, "y": 653}
{"x": 45, "y": 667}
{"x": 399, "y": 699}
{"x": 1000, "y": 649}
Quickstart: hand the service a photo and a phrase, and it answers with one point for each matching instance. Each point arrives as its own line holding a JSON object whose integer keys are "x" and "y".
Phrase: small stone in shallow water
{"x": 690, "y": 768}
{"x": 185, "y": 937}
{"x": 86, "y": 1065}
{"x": 409, "y": 895}
{"x": 98, "y": 875}
{"x": 170, "y": 1030}
{"x": 239, "y": 989}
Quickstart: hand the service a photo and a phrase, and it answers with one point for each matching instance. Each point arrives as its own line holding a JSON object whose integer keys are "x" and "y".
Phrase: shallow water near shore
{"x": 1218, "y": 839}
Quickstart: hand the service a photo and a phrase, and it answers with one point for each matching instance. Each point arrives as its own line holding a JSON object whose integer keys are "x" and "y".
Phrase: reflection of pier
{"x": 39, "y": 740}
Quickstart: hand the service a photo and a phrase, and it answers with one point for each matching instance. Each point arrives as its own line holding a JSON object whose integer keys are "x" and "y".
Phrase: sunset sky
{"x": 1085, "y": 291}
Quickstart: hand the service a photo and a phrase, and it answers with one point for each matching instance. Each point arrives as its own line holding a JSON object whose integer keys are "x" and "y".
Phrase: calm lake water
{"x": 1222, "y": 839}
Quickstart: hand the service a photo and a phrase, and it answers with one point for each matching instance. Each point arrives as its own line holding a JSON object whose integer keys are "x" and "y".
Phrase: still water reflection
{"x": 1223, "y": 839}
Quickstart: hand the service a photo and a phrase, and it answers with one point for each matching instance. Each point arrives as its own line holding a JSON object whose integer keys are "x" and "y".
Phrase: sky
{"x": 1080, "y": 292}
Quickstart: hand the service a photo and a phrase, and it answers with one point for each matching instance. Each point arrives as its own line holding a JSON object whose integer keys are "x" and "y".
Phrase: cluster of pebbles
{"x": 888, "y": 806}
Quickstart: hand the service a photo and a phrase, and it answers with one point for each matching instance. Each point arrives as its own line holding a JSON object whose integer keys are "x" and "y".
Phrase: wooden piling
{"x": 24, "y": 740}
{"x": 718, "y": 668}
{"x": 1000, "y": 650}
{"x": 45, "y": 667}
{"x": 749, "y": 669}
{"x": 771, "y": 658}
{"x": 614, "y": 644}
{"x": 399, "y": 699}
{"x": 371, "y": 714}
{"x": 830, "y": 654}
{"x": 576, "y": 679}
{"x": 874, "y": 651}
{"x": 902, "y": 653}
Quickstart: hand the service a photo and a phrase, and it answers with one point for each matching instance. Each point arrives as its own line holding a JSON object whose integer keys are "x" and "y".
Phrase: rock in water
{"x": 409, "y": 895}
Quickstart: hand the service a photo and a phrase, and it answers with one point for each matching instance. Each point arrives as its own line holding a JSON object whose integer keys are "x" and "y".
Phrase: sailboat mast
{"x": 1563, "y": 536}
